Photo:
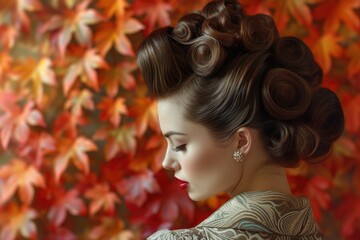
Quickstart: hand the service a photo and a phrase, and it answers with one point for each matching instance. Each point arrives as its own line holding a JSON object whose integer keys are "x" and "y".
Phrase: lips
{"x": 183, "y": 184}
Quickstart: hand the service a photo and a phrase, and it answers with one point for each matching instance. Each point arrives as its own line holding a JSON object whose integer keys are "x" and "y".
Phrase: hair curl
{"x": 234, "y": 70}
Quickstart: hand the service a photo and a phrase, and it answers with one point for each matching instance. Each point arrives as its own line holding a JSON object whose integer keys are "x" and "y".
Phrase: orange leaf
{"x": 5, "y": 62}
{"x": 119, "y": 140}
{"x": 18, "y": 175}
{"x": 72, "y": 22}
{"x": 120, "y": 74}
{"x": 112, "y": 110}
{"x": 101, "y": 197}
{"x": 297, "y": 8}
{"x": 353, "y": 51}
{"x": 333, "y": 12}
{"x": 112, "y": 7}
{"x": 73, "y": 150}
{"x": 78, "y": 100}
{"x": 8, "y": 36}
{"x": 14, "y": 122}
{"x": 324, "y": 48}
{"x": 68, "y": 202}
{"x": 145, "y": 113}
{"x": 85, "y": 70}
{"x": 20, "y": 221}
{"x": 156, "y": 12}
{"x": 18, "y": 9}
{"x": 38, "y": 72}
{"x": 110, "y": 33}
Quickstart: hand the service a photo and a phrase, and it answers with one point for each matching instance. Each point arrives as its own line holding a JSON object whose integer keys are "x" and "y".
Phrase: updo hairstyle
{"x": 231, "y": 70}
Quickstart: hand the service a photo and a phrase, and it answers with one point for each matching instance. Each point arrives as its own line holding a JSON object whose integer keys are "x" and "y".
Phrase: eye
{"x": 180, "y": 148}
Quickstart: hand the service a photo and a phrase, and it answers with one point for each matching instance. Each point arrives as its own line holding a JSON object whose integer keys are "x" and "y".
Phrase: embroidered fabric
{"x": 253, "y": 215}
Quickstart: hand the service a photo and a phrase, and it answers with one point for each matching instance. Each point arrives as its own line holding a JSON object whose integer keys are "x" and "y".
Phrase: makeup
{"x": 182, "y": 184}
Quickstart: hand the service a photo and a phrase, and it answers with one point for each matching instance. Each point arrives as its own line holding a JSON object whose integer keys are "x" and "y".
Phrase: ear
{"x": 244, "y": 137}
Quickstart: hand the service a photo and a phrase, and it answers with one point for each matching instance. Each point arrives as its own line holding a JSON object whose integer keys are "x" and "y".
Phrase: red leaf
{"x": 145, "y": 113}
{"x": 136, "y": 187}
{"x": 112, "y": 110}
{"x": 68, "y": 202}
{"x": 352, "y": 115}
{"x": 333, "y": 12}
{"x": 156, "y": 12}
{"x": 349, "y": 213}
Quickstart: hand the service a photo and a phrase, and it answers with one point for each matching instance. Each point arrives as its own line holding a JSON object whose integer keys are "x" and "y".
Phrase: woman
{"x": 238, "y": 104}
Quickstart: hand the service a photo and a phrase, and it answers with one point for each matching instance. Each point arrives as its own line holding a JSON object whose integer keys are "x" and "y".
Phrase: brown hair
{"x": 231, "y": 70}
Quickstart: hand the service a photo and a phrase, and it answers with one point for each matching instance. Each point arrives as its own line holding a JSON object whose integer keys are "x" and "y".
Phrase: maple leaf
{"x": 14, "y": 122}
{"x": 109, "y": 34}
{"x": 8, "y": 36}
{"x": 120, "y": 74}
{"x": 349, "y": 212}
{"x": 18, "y": 175}
{"x": 253, "y": 7}
{"x": 78, "y": 100}
{"x": 162, "y": 209}
{"x": 68, "y": 202}
{"x": 113, "y": 7}
{"x": 85, "y": 70}
{"x": 352, "y": 115}
{"x": 353, "y": 51}
{"x": 119, "y": 140}
{"x": 155, "y": 11}
{"x": 136, "y": 187}
{"x": 72, "y": 22}
{"x": 74, "y": 150}
{"x": 40, "y": 145}
{"x": 145, "y": 112}
{"x": 101, "y": 197}
{"x": 324, "y": 48}
{"x": 5, "y": 62}
{"x": 297, "y": 8}
{"x": 38, "y": 72}
{"x": 20, "y": 220}
{"x": 333, "y": 12}
{"x": 66, "y": 125}
{"x": 316, "y": 191}
{"x": 18, "y": 10}
{"x": 112, "y": 110}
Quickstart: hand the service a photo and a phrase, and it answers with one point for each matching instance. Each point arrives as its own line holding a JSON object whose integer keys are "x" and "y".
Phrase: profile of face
{"x": 206, "y": 166}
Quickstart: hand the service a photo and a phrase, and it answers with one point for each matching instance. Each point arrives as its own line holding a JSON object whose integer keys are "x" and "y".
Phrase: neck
{"x": 269, "y": 176}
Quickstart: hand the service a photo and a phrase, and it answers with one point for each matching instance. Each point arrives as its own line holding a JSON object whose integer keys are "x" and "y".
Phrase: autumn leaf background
{"x": 80, "y": 148}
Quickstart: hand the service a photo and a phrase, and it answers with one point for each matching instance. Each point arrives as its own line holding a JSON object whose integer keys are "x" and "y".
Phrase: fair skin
{"x": 208, "y": 166}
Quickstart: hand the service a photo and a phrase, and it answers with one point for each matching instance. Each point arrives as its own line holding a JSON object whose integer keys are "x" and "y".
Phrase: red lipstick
{"x": 183, "y": 184}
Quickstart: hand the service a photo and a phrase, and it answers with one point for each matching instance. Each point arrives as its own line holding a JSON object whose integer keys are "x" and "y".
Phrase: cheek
{"x": 201, "y": 162}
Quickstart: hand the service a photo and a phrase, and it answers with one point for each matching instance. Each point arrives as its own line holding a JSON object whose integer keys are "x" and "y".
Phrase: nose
{"x": 169, "y": 162}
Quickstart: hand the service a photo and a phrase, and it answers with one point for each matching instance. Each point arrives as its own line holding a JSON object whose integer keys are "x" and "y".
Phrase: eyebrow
{"x": 169, "y": 134}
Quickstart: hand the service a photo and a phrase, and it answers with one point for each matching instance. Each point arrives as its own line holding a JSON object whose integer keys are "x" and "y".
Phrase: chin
{"x": 198, "y": 197}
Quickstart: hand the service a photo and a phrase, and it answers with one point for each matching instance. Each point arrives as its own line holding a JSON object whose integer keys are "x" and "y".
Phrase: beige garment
{"x": 253, "y": 215}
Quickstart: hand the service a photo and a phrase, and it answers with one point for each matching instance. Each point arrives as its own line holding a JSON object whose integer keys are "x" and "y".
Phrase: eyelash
{"x": 180, "y": 148}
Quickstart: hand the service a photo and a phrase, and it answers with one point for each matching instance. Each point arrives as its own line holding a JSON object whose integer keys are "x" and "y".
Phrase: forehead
{"x": 171, "y": 115}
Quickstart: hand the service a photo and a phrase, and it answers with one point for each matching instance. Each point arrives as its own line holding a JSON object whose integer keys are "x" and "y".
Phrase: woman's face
{"x": 205, "y": 167}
